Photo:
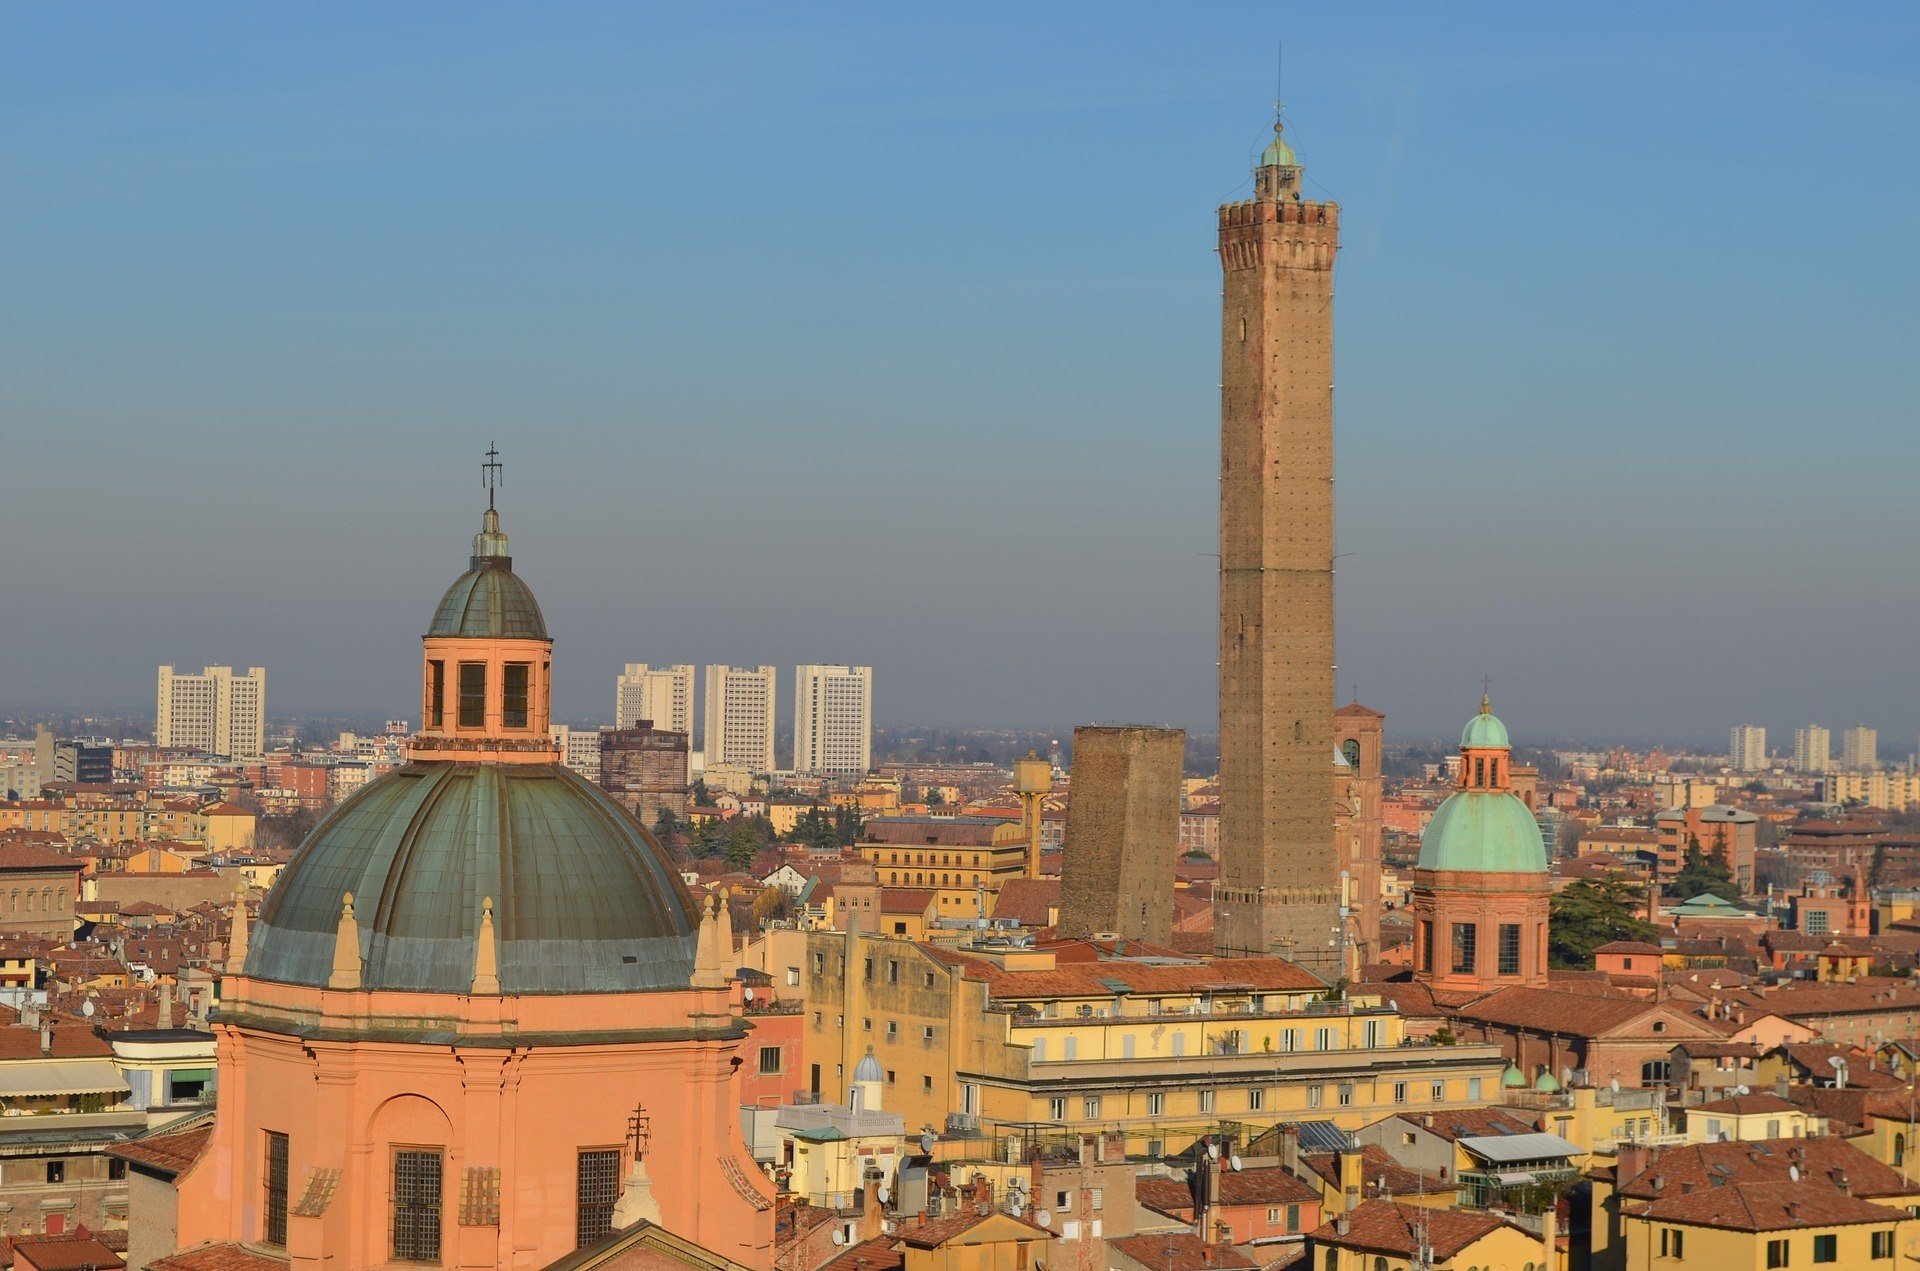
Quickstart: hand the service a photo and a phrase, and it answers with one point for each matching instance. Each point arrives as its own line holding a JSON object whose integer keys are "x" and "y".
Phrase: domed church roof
{"x": 583, "y": 900}
{"x": 489, "y": 600}
{"x": 1485, "y": 731}
{"x": 1484, "y": 830}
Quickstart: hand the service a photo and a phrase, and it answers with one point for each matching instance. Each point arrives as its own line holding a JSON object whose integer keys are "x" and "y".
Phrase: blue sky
{"x": 887, "y": 334}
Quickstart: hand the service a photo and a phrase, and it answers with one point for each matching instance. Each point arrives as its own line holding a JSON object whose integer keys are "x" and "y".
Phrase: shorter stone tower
{"x": 1480, "y": 888}
{"x": 1123, "y": 833}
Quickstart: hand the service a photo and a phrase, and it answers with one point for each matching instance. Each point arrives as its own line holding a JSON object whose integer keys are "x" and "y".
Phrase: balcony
{"x": 1176, "y": 1070}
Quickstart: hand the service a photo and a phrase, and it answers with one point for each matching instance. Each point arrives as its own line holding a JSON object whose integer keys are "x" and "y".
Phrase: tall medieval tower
{"x": 1279, "y": 890}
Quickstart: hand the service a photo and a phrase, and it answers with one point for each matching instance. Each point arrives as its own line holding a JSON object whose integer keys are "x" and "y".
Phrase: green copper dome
{"x": 1546, "y": 1083}
{"x": 1278, "y": 155}
{"x": 1513, "y": 1078}
{"x": 1488, "y": 831}
{"x": 489, "y": 601}
{"x": 583, "y": 899}
{"x": 1485, "y": 731}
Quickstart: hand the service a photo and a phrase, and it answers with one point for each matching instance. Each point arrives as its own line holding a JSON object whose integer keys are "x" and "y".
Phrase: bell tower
{"x": 1279, "y": 891}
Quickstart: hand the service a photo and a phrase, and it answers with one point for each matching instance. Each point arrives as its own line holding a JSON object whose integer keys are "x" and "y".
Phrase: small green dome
{"x": 1546, "y": 1083}
{"x": 1485, "y": 731}
{"x": 1278, "y": 155}
{"x": 1513, "y": 1078}
{"x": 1488, "y": 831}
{"x": 489, "y": 601}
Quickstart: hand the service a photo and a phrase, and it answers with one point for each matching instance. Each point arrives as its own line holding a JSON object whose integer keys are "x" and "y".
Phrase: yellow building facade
{"x": 1159, "y": 1052}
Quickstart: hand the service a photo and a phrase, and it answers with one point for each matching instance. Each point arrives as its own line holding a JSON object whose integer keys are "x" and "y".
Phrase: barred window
{"x": 1509, "y": 948}
{"x": 416, "y": 1205}
{"x": 1466, "y": 939}
{"x": 599, "y": 1187}
{"x": 276, "y": 1172}
{"x": 513, "y": 704}
{"x": 473, "y": 695}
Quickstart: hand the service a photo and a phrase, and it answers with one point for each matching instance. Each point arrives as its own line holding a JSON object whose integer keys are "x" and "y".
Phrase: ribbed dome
{"x": 583, "y": 900}
{"x": 1486, "y": 830}
{"x": 1485, "y": 732}
{"x": 489, "y": 600}
{"x": 1278, "y": 155}
{"x": 868, "y": 1069}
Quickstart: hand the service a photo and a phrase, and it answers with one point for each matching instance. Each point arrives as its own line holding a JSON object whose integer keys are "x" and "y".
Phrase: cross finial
{"x": 490, "y": 472}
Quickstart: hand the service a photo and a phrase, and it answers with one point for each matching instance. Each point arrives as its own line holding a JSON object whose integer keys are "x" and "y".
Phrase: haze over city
{"x": 842, "y": 334}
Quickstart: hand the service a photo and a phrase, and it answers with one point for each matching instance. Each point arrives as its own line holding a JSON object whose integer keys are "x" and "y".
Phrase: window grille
{"x": 416, "y": 1206}
{"x": 599, "y": 1188}
{"x": 276, "y": 1233}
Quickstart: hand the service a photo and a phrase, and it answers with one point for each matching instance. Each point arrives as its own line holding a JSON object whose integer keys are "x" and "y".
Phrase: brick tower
{"x": 1279, "y": 890}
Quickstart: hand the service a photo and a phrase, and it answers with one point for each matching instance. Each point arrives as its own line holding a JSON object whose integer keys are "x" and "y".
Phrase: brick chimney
{"x": 1631, "y": 1162}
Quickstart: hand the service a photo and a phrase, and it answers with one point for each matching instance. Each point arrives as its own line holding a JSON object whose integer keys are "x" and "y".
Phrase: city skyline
{"x": 594, "y": 353}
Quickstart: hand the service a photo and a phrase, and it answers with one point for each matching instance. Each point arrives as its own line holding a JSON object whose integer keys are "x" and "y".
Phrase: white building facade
{"x": 832, "y": 720}
{"x": 661, "y": 694}
{"x": 1860, "y": 749}
{"x": 1812, "y": 749}
{"x": 216, "y": 711}
{"x": 739, "y": 716}
{"x": 1747, "y": 751}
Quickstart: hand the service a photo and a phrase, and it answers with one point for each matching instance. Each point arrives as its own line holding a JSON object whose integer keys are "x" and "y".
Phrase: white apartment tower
{"x": 1812, "y": 749}
{"x": 216, "y": 711}
{"x": 1747, "y": 752}
{"x": 662, "y": 694}
{"x": 1860, "y": 749}
{"x": 740, "y": 716}
{"x": 832, "y": 720}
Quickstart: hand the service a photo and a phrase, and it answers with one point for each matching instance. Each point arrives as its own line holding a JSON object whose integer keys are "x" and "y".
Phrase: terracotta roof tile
{"x": 1385, "y": 1226}
{"x": 1181, "y": 1251}
{"x": 1819, "y": 1161}
{"x": 1774, "y": 1206}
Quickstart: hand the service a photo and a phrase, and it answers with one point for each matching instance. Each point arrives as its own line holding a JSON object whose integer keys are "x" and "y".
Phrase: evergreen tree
{"x": 742, "y": 847}
{"x": 1588, "y": 913}
{"x": 1701, "y": 873}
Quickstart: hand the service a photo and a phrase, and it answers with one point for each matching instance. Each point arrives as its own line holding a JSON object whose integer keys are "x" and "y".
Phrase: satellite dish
{"x": 1213, "y": 1149}
{"x": 1793, "y": 1172}
{"x": 749, "y": 993}
{"x": 1836, "y": 1061}
{"x": 86, "y": 1008}
{"x": 1392, "y": 1005}
{"x": 885, "y": 1194}
{"x": 1044, "y": 1217}
{"x": 1235, "y": 1162}
{"x": 839, "y": 1237}
{"x": 926, "y": 1144}
{"x": 1616, "y": 1085}
{"x": 1741, "y": 1090}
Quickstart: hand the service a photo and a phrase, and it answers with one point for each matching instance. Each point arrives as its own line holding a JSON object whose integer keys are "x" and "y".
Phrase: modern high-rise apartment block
{"x": 663, "y": 694}
{"x": 215, "y": 711}
{"x": 1812, "y": 749}
{"x": 832, "y": 720}
{"x": 1279, "y": 889}
{"x": 1747, "y": 751}
{"x": 579, "y": 749}
{"x": 740, "y": 716}
{"x": 1860, "y": 749}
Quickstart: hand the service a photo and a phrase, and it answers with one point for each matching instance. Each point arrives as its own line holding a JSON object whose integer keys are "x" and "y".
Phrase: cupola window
{"x": 513, "y": 713}
{"x": 473, "y": 695}
{"x": 436, "y": 692}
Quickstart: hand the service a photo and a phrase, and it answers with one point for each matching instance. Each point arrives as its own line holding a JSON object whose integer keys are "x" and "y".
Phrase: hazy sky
{"x": 885, "y": 334}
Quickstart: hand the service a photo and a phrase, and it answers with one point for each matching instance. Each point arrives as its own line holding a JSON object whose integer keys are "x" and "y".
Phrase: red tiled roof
{"x": 1559, "y": 1011}
{"x": 26, "y": 856}
{"x": 170, "y": 1153}
{"x": 1181, "y": 1251}
{"x": 1096, "y": 979}
{"x": 1775, "y": 1206}
{"x": 218, "y": 1257}
{"x": 1746, "y": 1105}
{"x": 64, "y": 1253}
{"x": 1381, "y": 1175}
{"x": 1262, "y": 1185}
{"x": 1027, "y": 900}
{"x": 935, "y": 1232}
{"x": 1385, "y": 1226}
{"x": 1819, "y": 1161}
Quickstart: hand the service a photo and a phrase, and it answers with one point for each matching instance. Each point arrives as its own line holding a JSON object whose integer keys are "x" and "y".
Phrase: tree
{"x": 772, "y": 905}
{"x": 697, "y": 793}
{"x": 813, "y": 828}
{"x": 847, "y": 824}
{"x": 1588, "y": 913}
{"x": 665, "y": 823}
{"x": 742, "y": 847}
{"x": 1701, "y": 873}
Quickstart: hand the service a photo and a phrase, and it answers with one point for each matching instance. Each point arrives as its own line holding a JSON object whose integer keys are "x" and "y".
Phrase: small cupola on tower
{"x": 1486, "y": 756}
{"x": 1277, "y": 179}
{"x": 485, "y": 682}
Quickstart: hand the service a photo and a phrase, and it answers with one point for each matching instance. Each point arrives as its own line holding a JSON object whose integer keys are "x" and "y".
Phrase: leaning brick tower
{"x": 1279, "y": 889}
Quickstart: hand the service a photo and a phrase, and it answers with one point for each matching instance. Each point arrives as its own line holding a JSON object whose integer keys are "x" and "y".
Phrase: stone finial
{"x": 723, "y": 933}
{"x": 346, "y": 948}
{"x": 486, "y": 955}
{"x": 706, "y": 951}
{"x": 636, "y": 1201}
{"x": 237, "y": 944}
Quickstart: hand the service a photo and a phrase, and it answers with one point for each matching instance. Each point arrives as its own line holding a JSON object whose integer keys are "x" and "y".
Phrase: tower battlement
{"x": 1265, "y": 211}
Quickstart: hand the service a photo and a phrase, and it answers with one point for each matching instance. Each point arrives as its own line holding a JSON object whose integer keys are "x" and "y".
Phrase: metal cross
{"x": 490, "y": 472}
